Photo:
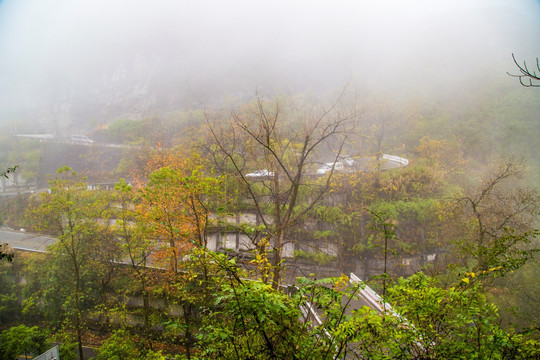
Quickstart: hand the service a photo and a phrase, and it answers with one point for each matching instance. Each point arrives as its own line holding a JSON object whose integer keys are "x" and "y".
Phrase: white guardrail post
{"x": 377, "y": 303}
{"x": 372, "y": 298}
{"x": 399, "y": 160}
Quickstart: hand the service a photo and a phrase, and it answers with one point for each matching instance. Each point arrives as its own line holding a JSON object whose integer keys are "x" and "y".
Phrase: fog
{"x": 95, "y": 60}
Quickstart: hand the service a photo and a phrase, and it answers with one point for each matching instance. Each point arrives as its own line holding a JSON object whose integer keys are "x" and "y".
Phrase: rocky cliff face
{"x": 142, "y": 87}
{"x": 97, "y": 163}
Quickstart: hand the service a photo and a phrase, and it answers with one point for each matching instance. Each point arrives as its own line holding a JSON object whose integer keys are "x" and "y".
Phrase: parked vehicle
{"x": 327, "y": 167}
{"x": 337, "y": 166}
{"x": 81, "y": 139}
{"x": 260, "y": 174}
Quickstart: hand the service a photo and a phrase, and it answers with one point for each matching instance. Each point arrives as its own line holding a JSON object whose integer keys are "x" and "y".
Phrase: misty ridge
{"x": 68, "y": 65}
{"x": 87, "y": 69}
{"x": 262, "y": 180}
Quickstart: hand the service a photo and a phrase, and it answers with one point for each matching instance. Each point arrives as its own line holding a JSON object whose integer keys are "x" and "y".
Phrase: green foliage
{"x": 5, "y": 253}
{"x": 228, "y": 317}
{"x": 430, "y": 322}
{"x": 241, "y": 319}
{"x": 316, "y": 256}
{"x": 22, "y": 339}
{"x": 410, "y": 198}
{"x": 119, "y": 346}
{"x": 449, "y": 323}
{"x": 9, "y": 307}
{"x": 67, "y": 343}
{"x": 78, "y": 267}
{"x": 509, "y": 293}
{"x": 9, "y": 291}
{"x": 495, "y": 220}
{"x": 13, "y": 211}
{"x": 125, "y": 130}
{"x": 27, "y": 153}
{"x": 252, "y": 321}
{"x": 421, "y": 210}
{"x": 10, "y": 210}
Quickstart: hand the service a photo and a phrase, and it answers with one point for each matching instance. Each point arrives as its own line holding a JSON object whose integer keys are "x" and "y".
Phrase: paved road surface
{"x": 25, "y": 241}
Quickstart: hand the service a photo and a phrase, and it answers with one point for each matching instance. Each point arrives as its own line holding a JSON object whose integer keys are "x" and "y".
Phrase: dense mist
{"x": 82, "y": 61}
{"x": 170, "y": 150}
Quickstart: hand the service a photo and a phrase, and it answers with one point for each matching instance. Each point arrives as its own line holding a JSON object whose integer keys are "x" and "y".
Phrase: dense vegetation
{"x": 131, "y": 271}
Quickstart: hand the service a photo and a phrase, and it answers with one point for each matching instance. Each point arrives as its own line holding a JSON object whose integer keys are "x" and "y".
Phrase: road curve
{"x": 25, "y": 241}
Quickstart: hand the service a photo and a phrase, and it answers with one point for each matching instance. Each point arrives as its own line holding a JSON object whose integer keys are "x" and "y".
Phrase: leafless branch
{"x": 528, "y": 78}
{"x": 267, "y": 134}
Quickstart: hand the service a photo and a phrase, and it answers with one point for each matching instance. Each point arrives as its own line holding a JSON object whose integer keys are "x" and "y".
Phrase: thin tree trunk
{"x": 146, "y": 311}
{"x": 278, "y": 256}
{"x": 188, "y": 335}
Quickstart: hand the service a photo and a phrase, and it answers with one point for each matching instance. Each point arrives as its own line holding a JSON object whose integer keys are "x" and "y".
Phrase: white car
{"x": 327, "y": 167}
{"x": 81, "y": 139}
{"x": 338, "y": 166}
{"x": 259, "y": 174}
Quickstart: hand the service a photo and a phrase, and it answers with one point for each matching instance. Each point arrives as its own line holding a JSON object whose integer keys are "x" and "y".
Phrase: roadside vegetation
{"x": 132, "y": 273}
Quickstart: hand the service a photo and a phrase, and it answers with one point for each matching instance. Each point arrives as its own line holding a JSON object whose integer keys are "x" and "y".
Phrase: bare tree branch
{"x": 528, "y": 78}
{"x": 286, "y": 149}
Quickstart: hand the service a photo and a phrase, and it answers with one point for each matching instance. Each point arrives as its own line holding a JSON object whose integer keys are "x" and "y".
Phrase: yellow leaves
{"x": 472, "y": 275}
{"x": 468, "y": 277}
{"x": 261, "y": 259}
{"x": 258, "y": 258}
{"x": 341, "y": 282}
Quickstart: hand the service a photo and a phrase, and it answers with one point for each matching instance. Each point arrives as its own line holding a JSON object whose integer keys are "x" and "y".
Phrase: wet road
{"x": 25, "y": 241}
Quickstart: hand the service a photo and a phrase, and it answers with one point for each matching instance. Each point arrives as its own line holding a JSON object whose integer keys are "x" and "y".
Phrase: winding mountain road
{"x": 20, "y": 240}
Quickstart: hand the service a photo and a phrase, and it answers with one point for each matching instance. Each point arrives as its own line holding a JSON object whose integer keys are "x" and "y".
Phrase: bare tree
{"x": 501, "y": 215}
{"x": 283, "y": 147}
{"x": 527, "y": 78}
